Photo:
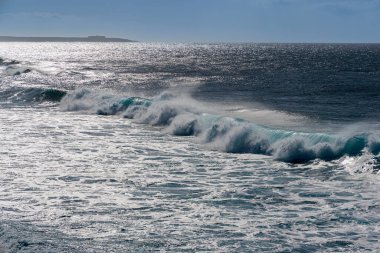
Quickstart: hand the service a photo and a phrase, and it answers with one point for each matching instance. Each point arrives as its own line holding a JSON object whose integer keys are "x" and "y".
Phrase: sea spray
{"x": 180, "y": 115}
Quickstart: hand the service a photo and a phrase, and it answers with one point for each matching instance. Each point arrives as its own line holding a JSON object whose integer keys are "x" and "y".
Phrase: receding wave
{"x": 17, "y": 70}
{"x": 4, "y": 62}
{"x": 30, "y": 95}
{"x": 179, "y": 115}
{"x": 13, "y": 67}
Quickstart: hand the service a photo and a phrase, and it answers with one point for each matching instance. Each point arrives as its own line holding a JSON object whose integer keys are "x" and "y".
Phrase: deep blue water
{"x": 325, "y": 81}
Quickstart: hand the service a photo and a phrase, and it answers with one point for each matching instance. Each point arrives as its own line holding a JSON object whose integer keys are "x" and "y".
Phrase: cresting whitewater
{"x": 189, "y": 147}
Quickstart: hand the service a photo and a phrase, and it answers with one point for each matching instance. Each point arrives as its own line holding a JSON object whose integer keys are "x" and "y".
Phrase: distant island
{"x": 62, "y": 39}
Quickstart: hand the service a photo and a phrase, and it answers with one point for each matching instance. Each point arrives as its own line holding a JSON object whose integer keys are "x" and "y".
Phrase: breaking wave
{"x": 180, "y": 115}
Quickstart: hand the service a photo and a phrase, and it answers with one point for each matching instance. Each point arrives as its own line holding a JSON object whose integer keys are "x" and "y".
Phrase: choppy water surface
{"x": 149, "y": 147}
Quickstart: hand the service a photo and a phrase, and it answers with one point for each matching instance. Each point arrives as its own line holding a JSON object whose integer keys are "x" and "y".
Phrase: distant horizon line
{"x": 90, "y": 38}
{"x": 102, "y": 38}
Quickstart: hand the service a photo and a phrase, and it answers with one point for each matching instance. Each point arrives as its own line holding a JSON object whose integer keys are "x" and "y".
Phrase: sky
{"x": 196, "y": 20}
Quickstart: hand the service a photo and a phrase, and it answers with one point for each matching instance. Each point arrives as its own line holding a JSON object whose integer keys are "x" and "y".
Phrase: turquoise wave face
{"x": 123, "y": 105}
{"x": 221, "y": 133}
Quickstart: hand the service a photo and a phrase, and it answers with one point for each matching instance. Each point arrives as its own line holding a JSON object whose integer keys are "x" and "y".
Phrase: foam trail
{"x": 180, "y": 115}
{"x": 366, "y": 163}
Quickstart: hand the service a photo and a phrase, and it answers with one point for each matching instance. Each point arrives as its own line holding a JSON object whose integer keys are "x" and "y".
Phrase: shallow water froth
{"x": 85, "y": 183}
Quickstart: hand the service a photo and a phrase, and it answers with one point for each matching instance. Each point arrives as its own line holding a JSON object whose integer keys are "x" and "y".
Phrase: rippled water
{"x": 77, "y": 181}
{"x": 93, "y": 183}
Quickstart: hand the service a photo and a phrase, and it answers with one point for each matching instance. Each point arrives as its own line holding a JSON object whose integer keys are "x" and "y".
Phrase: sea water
{"x": 134, "y": 147}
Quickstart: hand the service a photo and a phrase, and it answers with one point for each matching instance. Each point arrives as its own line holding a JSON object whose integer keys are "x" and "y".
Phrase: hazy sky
{"x": 196, "y": 20}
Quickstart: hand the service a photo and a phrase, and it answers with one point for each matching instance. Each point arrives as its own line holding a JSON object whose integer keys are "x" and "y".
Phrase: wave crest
{"x": 180, "y": 116}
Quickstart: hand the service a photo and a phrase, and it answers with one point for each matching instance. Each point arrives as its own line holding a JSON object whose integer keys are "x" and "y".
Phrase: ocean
{"x": 145, "y": 147}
